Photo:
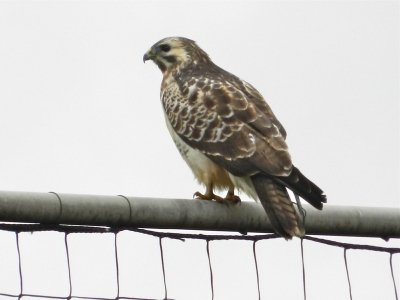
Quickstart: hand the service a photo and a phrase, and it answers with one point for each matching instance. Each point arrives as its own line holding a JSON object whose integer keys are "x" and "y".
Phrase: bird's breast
{"x": 204, "y": 169}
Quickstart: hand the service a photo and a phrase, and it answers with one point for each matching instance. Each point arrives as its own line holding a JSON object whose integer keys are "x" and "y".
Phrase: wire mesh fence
{"x": 65, "y": 262}
{"x": 110, "y": 257}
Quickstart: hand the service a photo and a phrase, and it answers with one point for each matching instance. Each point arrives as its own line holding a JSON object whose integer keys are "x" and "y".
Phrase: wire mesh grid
{"x": 67, "y": 231}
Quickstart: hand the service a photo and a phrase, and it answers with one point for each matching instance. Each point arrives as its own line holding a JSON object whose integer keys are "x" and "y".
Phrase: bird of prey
{"x": 228, "y": 135}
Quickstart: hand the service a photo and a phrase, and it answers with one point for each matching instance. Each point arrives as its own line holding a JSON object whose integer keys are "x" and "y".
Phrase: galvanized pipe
{"x": 52, "y": 208}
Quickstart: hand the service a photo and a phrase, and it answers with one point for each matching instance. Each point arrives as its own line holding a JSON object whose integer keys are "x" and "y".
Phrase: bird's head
{"x": 175, "y": 52}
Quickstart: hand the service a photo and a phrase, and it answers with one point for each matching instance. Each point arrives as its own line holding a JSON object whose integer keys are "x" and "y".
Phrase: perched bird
{"x": 228, "y": 134}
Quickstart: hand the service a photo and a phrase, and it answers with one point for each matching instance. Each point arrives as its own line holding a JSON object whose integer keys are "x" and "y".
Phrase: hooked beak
{"x": 147, "y": 56}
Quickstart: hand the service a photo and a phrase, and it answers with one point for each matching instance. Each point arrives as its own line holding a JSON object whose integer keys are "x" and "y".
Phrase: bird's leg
{"x": 230, "y": 196}
{"x": 208, "y": 195}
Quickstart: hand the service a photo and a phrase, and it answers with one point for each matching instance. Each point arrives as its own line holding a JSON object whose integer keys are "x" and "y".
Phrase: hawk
{"x": 228, "y": 135}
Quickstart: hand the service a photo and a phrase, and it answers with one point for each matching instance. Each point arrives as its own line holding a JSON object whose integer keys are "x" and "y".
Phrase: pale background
{"x": 80, "y": 113}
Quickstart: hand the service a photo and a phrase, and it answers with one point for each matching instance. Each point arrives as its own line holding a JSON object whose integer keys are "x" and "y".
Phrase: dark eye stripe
{"x": 165, "y": 48}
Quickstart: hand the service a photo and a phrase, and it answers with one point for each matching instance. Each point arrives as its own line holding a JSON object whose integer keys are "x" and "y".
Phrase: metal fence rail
{"x": 112, "y": 211}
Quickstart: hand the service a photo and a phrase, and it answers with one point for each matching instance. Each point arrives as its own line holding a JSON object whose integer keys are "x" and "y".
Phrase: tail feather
{"x": 280, "y": 210}
{"x": 303, "y": 187}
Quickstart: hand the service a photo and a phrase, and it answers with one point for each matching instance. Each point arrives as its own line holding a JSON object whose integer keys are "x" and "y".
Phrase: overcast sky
{"x": 80, "y": 112}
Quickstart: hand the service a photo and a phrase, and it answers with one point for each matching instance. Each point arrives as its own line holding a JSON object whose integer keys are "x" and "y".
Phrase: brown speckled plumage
{"x": 228, "y": 134}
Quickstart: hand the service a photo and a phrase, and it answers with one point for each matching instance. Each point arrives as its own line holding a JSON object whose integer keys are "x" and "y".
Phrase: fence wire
{"x": 208, "y": 238}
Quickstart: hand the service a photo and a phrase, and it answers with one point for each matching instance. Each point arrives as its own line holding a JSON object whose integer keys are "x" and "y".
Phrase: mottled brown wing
{"x": 221, "y": 120}
{"x": 261, "y": 104}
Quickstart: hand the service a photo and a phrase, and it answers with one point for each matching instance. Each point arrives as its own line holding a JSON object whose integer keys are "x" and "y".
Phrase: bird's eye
{"x": 165, "y": 48}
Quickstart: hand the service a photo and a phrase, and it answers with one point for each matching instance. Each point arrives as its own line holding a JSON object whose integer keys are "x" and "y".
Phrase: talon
{"x": 200, "y": 196}
{"x": 232, "y": 197}
{"x": 236, "y": 199}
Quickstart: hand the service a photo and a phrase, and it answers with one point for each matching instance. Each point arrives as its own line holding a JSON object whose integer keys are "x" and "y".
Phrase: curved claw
{"x": 232, "y": 197}
{"x": 235, "y": 199}
{"x": 200, "y": 196}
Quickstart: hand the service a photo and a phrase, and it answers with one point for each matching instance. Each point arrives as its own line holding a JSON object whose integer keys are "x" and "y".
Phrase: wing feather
{"x": 228, "y": 121}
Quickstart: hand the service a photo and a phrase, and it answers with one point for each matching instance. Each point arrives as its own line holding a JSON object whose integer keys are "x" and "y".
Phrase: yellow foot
{"x": 206, "y": 196}
{"x": 232, "y": 197}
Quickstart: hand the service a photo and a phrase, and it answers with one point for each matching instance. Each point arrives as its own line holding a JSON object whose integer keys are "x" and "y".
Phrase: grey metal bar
{"x": 52, "y": 208}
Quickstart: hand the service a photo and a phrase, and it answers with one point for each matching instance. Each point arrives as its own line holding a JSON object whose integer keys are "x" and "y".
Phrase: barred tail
{"x": 280, "y": 210}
